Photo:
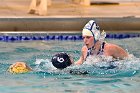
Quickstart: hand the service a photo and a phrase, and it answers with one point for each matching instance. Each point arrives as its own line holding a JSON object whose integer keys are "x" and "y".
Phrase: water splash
{"x": 95, "y": 67}
{"x": 44, "y": 65}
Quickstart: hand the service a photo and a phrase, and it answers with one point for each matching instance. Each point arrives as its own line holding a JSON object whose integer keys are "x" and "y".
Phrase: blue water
{"x": 125, "y": 78}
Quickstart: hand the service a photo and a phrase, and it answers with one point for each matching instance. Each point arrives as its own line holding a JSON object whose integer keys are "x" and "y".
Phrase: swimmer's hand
{"x": 19, "y": 67}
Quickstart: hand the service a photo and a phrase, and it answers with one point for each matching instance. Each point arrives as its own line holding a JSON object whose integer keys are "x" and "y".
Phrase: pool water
{"x": 37, "y": 54}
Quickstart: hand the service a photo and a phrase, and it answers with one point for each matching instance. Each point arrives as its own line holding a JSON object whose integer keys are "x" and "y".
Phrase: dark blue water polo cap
{"x": 61, "y": 60}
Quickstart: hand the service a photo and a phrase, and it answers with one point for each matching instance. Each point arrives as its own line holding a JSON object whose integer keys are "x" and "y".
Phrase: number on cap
{"x": 60, "y": 59}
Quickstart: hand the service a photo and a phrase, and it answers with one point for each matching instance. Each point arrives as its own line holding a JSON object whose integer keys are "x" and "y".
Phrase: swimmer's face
{"x": 88, "y": 40}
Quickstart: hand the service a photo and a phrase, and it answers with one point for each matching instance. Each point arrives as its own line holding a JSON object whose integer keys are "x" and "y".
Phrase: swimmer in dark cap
{"x": 61, "y": 60}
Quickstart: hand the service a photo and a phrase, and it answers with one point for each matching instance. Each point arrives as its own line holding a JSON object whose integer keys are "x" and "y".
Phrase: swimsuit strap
{"x": 89, "y": 52}
{"x": 101, "y": 49}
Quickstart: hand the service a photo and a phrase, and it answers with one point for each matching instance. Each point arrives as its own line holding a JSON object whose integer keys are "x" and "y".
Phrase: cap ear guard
{"x": 96, "y": 35}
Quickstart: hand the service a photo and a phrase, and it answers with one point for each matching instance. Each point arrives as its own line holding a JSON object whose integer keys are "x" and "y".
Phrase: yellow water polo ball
{"x": 18, "y": 68}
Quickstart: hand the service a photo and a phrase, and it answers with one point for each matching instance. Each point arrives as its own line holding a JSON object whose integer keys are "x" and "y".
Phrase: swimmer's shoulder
{"x": 113, "y": 47}
{"x": 110, "y": 46}
{"x": 109, "y": 49}
{"x": 116, "y": 51}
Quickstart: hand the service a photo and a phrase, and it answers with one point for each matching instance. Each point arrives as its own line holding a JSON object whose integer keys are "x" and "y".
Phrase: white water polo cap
{"x": 92, "y": 29}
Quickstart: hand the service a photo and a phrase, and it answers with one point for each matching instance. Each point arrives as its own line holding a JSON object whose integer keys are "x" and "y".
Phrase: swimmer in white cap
{"x": 95, "y": 44}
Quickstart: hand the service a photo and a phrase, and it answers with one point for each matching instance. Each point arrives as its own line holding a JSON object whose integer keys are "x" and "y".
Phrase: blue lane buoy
{"x": 65, "y": 37}
{"x": 127, "y": 36}
{"x": 107, "y": 36}
{"x": 60, "y": 37}
{"x": 11, "y": 38}
{"x": 56, "y": 37}
{"x": 80, "y": 37}
{"x": 120, "y": 36}
{"x": 1, "y": 38}
{"x": 70, "y": 37}
{"x": 26, "y": 38}
{"x": 47, "y": 37}
{"x": 41, "y": 38}
{"x": 34, "y": 38}
{"x": 52, "y": 37}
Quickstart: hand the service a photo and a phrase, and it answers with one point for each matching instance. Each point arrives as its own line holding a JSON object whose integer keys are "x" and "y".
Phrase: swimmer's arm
{"x": 80, "y": 61}
{"x": 119, "y": 53}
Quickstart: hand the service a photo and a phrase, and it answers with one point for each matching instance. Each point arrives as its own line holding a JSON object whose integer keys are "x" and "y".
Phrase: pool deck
{"x": 64, "y": 15}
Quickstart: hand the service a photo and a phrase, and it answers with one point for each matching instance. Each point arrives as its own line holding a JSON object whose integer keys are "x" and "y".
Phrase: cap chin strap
{"x": 94, "y": 37}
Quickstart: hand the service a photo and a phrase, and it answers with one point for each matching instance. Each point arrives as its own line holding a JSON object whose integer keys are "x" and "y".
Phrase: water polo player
{"x": 95, "y": 45}
{"x": 59, "y": 60}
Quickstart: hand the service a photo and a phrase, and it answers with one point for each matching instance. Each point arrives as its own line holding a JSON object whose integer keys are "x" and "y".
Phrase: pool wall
{"x": 67, "y": 24}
